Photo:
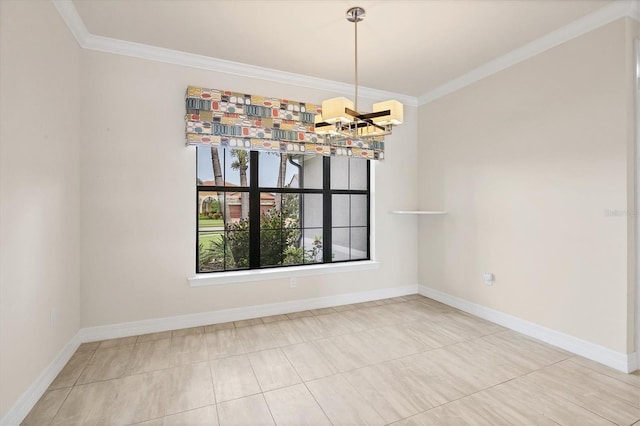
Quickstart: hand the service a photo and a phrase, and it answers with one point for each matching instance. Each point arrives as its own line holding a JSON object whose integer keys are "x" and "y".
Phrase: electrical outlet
{"x": 293, "y": 282}
{"x": 489, "y": 278}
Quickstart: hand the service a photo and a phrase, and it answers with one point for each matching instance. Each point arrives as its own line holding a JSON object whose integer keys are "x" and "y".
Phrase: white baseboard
{"x": 619, "y": 361}
{"x": 155, "y": 325}
{"x": 30, "y": 397}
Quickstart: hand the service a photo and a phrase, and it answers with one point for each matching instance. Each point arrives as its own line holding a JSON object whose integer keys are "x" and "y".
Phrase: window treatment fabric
{"x": 259, "y": 123}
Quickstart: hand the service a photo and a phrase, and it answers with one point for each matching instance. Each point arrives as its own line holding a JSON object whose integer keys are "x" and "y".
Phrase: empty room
{"x": 279, "y": 212}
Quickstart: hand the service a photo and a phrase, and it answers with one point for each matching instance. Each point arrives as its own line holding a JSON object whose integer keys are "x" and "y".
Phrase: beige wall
{"x": 39, "y": 192}
{"x": 526, "y": 162}
{"x": 632, "y": 37}
{"x": 138, "y": 198}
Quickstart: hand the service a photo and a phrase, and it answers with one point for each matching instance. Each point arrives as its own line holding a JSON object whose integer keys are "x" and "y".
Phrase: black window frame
{"x": 254, "y": 190}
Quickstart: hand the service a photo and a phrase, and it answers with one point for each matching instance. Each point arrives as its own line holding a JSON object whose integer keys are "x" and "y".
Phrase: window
{"x": 262, "y": 209}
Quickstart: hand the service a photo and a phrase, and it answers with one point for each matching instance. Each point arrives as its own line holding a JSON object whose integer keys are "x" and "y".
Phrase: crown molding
{"x": 618, "y": 9}
{"x": 89, "y": 41}
{"x": 71, "y": 17}
{"x": 175, "y": 57}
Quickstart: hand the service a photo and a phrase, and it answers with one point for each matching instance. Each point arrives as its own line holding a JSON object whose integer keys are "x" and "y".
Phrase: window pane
{"x": 270, "y": 220}
{"x": 358, "y": 243}
{"x": 280, "y": 234}
{"x": 340, "y": 248}
{"x": 270, "y": 247}
{"x": 340, "y": 207}
{"x": 211, "y": 251}
{"x": 222, "y": 167}
{"x": 238, "y": 246}
{"x": 212, "y": 211}
{"x": 358, "y": 210}
{"x": 291, "y": 210}
{"x": 312, "y": 208}
{"x": 209, "y": 207}
{"x": 312, "y": 245}
{"x": 237, "y": 205}
{"x": 358, "y": 173}
{"x": 295, "y": 171}
{"x": 269, "y": 168}
{"x": 277, "y": 170}
{"x": 339, "y": 172}
{"x": 270, "y": 202}
{"x": 237, "y": 171}
{"x": 210, "y": 167}
{"x": 293, "y": 249}
{"x": 312, "y": 171}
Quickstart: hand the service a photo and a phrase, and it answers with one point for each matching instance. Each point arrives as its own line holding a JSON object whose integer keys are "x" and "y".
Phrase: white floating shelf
{"x": 417, "y": 212}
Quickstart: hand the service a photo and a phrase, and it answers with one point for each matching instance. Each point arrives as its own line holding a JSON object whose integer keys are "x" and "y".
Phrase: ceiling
{"x": 405, "y": 47}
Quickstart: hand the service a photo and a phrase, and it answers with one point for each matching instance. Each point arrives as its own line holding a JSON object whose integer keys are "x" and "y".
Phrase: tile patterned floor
{"x": 402, "y": 361}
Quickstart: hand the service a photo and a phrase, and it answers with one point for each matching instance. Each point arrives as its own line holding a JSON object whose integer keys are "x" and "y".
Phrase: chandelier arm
{"x": 375, "y": 114}
{"x": 364, "y": 118}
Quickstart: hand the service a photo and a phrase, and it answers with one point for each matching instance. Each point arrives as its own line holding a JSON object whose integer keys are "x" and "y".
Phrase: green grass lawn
{"x": 210, "y": 222}
{"x": 206, "y": 238}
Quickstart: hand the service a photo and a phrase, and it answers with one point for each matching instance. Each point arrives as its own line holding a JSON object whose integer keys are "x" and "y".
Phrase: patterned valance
{"x": 258, "y": 123}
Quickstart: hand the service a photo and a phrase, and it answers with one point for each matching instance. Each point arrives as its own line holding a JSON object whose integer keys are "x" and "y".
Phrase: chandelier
{"x": 340, "y": 119}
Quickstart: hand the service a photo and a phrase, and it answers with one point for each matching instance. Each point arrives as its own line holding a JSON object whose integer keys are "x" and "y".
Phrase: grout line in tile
{"x": 240, "y": 397}
{"x": 268, "y": 407}
{"x": 60, "y": 407}
{"x": 580, "y": 405}
{"x": 363, "y": 396}
{"x": 216, "y": 403}
{"x": 482, "y": 390}
{"x": 255, "y": 376}
{"x": 148, "y": 420}
{"x": 75, "y": 382}
{"x": 571, "y": 357}
{"x": 213, "y": 388}
{"x": 571, "y": 402}
{"x": 317, "y": 402}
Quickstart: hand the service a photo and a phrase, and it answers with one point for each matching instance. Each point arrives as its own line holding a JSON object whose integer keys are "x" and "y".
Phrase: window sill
{"x": 218, "y": 278}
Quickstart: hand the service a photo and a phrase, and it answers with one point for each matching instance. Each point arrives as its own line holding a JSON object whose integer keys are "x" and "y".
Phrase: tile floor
{"x": 402, "y": 361}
